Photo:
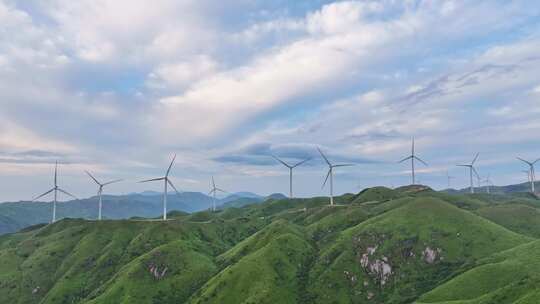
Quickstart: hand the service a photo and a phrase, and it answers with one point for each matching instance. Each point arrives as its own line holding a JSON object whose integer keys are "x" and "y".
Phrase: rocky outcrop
{"x": 430, "y": 255}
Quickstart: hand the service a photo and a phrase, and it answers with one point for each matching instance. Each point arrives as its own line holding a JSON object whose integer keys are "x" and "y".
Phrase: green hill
{"x": 512, "y": 276}
{"x": 377, "y": 246}
{"x": 394, "y": 256}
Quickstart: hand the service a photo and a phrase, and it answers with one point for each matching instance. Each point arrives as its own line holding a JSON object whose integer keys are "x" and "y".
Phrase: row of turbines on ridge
{"x": 329, "y": 177}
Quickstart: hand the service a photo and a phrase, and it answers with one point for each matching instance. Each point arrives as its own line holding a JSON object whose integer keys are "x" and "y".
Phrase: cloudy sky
{"x": 117, "y": 87}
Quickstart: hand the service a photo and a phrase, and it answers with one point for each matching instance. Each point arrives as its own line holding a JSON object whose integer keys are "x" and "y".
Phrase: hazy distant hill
{"x": 17, "y": 215}
{"x": 238, "y": 202}
{"x": 408, "y": 245}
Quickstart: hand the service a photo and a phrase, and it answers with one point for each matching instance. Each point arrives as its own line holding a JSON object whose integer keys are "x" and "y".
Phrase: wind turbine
{"x": 166, "y": 181}
{"x": 532, "y": 174}
{"x": 331, "y": 175}
{"x": 413, "y": 157}
{"x": 291, "y": 167}
{"x": 528, "y": 175}
{"x": 449, "y": 178}
{"x": 55, "y": 189}
{"x": 488, "y": 183}
{"x": 471, "y": 170}
{"x": 213, "y": 192}
{"x": 100, "y": 190}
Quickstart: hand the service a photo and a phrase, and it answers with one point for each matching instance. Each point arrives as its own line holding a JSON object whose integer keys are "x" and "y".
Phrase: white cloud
{"x": 180, "y": 75}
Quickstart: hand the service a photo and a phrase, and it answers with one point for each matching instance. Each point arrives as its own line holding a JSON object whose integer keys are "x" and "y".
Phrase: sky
{"x": 118, "y": 87}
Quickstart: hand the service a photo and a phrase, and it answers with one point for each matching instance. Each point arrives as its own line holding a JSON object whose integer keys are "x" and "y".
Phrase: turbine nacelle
{"x": 55, "y": 189}
{"x": 167, "y": 182}
{"x": 330, "y": 174}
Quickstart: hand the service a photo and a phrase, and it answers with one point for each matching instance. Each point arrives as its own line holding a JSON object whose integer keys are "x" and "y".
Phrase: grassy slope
{"x": 280, "y": 251}
{"x": 509, "y": 277}
{"x": 74, "y": 260}
{"x": 520, "y": 218}
{"x": 400, "y": 236}
{"x": 264, "y": 268}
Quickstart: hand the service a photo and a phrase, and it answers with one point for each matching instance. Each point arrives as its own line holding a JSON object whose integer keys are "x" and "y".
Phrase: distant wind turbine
{"x": 532, "y": 174}
{"x": 166, "y": 181}
{"x": 213, "y": 193}
{"x": 291, "y": 167}
{"x": 331, "y": 175}
{"x": 100, "y": 191}
{"x": 471, "y": 170}
{"x": 449, "y": 178}
{"x": 488, "y": 183}
{"x": 413, "y": 157}
{"x": 55, "y": 189}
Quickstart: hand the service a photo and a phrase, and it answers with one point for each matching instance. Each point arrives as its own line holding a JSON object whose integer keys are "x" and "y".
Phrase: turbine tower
{"x": 413, "y": 157}
{"x": 100, "y": 191}
{"x": 213, "y": 192}
{"x": 291, "y": 167}
{"x": 528, "y": 175}
{"x": 166, "y": 181}
{"x": 331, "y": 175}
{"x": 55, "y": 189}
{"x": 449, "y": 178}
{"x": 532, "y": 174}
{"x": 471, "y": 170}
{"x": 488, "y": 183}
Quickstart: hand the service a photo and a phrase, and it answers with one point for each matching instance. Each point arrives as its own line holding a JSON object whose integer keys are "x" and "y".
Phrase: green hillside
{"x": 378, "y": 246}
{"x": 512, "y": 276}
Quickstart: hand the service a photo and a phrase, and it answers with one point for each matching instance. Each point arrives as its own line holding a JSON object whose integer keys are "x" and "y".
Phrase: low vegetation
{"x": 406, "y": 245}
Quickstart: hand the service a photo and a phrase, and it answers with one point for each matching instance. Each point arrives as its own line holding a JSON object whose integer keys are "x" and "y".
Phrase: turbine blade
{"x": 300, "y": 163}
{"x": 325, "y": 159}
{"x": 171, "y": 184}
{"x": 170, "y": 166}
{"x": 40, "y": 196}
{"x": 211, "y": 191}
{"x": 152, "y": 180}
{"x": 221, "y": 190}
{"x": 521, "y": 159}
{"x": 282, "y": 162}
{"x": 112, "y": 182}
{"x": 92, "y": 177}
{"x": 326, "y": 179}
{"x": 464, "y": 165}
{"x": 343, "y": 165}
{"x": 534, "y": 162}
{"x": 213, "y": 183}
{"x": 475, "y": 172}
{"x": 475, "y": 158}
{"x": 55, "y": 173}
{"x": 67, "y": 193}
{"x": 420, "y": 160}
{"x": 406, "y": 158}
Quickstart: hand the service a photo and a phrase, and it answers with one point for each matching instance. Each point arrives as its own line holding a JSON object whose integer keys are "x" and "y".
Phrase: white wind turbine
{"x": 532, "y": 174}
{"x": 488, "y": 183}
{"x": 291, "y": 167}
{"x": 166, "y": 182}
{"x": 528, "y": 175}
{"x": 471, "y": 170}
{"x": 55, "y": 189}
{"x": 413, "y": 157}
{"x": 100, "y": 191}
{"x": 213, "y": 192}
{"x": 449, "y": 178}
{"x": 331, "y": 175}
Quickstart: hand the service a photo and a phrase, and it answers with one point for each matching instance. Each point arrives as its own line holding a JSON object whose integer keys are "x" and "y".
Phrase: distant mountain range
{"x": 18, "y": 215}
